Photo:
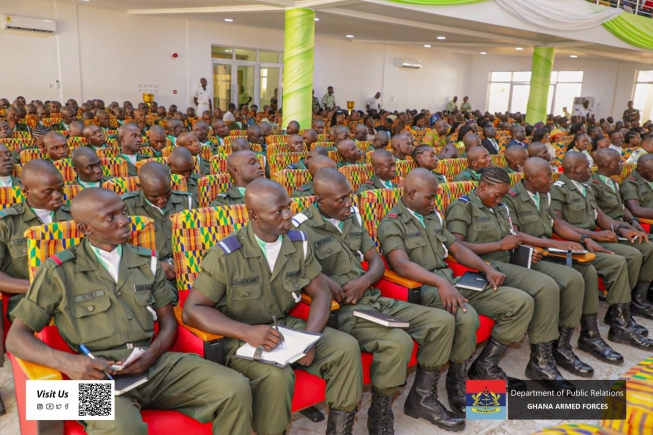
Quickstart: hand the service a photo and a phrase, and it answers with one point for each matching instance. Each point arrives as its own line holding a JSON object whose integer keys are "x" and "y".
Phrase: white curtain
{"x": 560, "y": 14}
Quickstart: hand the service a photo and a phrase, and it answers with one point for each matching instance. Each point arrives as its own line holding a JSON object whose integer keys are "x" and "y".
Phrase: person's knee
{"x": 466, "y": 322}
{"x": 279, "y": 379}
{"x": 348, "y": 347}
{"x": 401, "y": 342}
{"x": 522, "y": 304}
{"x": 549, "y": 290}
{"x": 235, "y": 387}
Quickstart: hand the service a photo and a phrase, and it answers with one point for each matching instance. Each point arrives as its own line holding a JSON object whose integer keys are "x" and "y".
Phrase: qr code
{"x": 95, "y": 399}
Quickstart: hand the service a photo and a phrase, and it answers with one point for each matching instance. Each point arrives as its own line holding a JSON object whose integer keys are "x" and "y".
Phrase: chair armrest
{"x": 308, "y": 300}
{"x": 211, "y": 347}
{"x": 205, "y": 336}
{"x": 580, "y": 258}
{"x": 390, "y": 276}
{"x": 645, "y": 221}
{"x": 37, "y": 372}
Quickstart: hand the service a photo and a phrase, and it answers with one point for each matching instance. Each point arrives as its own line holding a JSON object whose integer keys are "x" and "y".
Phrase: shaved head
{"x": 380, "y": 157}
{"x": 153, "y": 175}
{"x": 571, "y": 160}
{"x": 239, "y": 144}
{"x": 471, "y": 140}
{"x": 474, "y": 153}
{"x": 244, "y": 167}
{"x": 418, "y": 177}
{"x": 420, "y": 190}
{"x": 318, "y": 162}
{"x": 535, "y": 149}
{"x": 82, "y": 155}
{"x": 535, "y": 166}
{"x": 645, "y": 161}
{"x": 89, "y": 203}
{"x": 38, "y": 172}
{"x": 261, "y": 192}
{"x": 604, "y": 156}
{"x": 328, "y": 180}
{"x": 180, "y": 156}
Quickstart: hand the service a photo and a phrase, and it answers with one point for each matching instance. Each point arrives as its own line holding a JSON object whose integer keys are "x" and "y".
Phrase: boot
{"x": 639, "y": 305}
{"x": 565, "y": 357}
{"x": 590, "y": 341}
{"x": 456, "y": 392}
{"x": 621, "y": 332}
{"x": 542, "y": 368}
{"x": 380, "y": 419}
{"x": 609, "y": 318}
{"x": 486, "y": 365}
{"x": 340, "y": 422}
{"x": 422, "y": 402}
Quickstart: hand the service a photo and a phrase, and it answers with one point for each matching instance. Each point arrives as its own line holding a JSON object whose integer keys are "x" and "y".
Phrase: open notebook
{"x": 296, "y": 344}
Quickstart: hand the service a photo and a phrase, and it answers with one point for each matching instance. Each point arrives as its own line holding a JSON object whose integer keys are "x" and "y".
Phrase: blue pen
{"x": 90, "y": 355}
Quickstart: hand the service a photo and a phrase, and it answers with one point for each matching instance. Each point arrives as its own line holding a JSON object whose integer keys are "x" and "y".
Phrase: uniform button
{"x": 119, "y": 293}
{"x": 329, "y": 250}
{"x": 130, "y": 317}
{"x": 90, "y": 308}
{"x": 296, "y": 286}
{"x": 246, "y": 294}
{"x": 273, "y": 303}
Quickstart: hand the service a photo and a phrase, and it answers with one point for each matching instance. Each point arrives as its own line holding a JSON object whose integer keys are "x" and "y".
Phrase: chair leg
{"x": 313, "y": 414}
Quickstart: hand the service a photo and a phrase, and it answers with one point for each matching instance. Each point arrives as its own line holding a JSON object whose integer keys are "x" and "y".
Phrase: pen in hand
{"x": 276, "y": 326}
{"x": 90, "y": 355}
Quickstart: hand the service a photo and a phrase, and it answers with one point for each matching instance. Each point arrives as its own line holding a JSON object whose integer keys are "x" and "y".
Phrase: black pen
{"x": 277, "y": 328}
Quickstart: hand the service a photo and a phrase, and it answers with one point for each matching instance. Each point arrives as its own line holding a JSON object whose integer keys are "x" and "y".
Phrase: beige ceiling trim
{"x": 206, "y": 10}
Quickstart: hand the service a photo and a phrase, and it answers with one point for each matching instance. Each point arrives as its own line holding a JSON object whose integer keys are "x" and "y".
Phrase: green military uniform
{"x": 301, "y": 164}
{"x": 342, "y": 163}
{"x": 609, "y": 200}
{"x": 637, "y": 188}
{"x": 59, "y": 126}
{"x": 468, "y": 175}
{"x": 205, "y": 166}
{"x": 305, "y": 190}
{"x": 193, "y": 189}
{"x": 236, "y": 276}
{"x": 173, "y": 140}
{"x": 630, "y": 114}
{"x": 580, "y": 210}
{"x": 375, "y": 183}
{"x": 232, "y": 196}
{"x": 438, "y": 176}
{"x": 236, "y": 125}
{"x": 13, "y": 182}
{"x": 469, "y": 217}
{"x": 537, "y": 221}
{"x": 132, "y": 171}
{"x": 109, "y": 318}
{"x": 426, "y": 243}
{"x": 86, "y": 185}
{"x": 21, "y": 127}
{"x": 338, "y": 250}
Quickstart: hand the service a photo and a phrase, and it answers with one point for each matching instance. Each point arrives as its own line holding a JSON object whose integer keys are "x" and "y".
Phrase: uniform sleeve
{"x": 628, "y": 190}
{"x": 507, "y": 200}
{"x": 367, "y": 242}
{"x": 220, "y": 200}
{"x": 162, "y": 293}
{"x": 390, "y": 236}
{"x": 43, "y": 297}
{"x": 4, "y": 243}
{"x": 450, "y": 238}
{"x": 458, "y": 219}
{"x": 558, "y": 198}
{"x": 311, "y": 265}
{"x": 212, "y": 280}
{"x": 364, "y": 188}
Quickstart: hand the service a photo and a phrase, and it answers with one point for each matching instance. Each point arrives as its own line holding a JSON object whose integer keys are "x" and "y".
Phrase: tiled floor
{"x": 514, "y": 364}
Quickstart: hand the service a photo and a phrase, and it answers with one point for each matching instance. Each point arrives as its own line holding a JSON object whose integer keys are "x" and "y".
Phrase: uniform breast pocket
{"x": 246, "y": 292}
{"x": 645, "y": 194}
{"x": 414, "y": 242}
{"x": 326, "y": 250}
{"x": 93, "y": 319}
{"x": 484, "y": 226}
{"x": 529, "y": 218}
{"x": 577, "y": 206}
{"x": 18, "y": 248}
{"x": 354, "y": 241}
{"x": 144, "y": 298}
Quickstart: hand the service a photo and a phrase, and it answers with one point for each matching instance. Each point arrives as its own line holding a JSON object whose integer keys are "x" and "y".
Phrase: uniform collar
{"x": 142, "y": 202}
{"x": 640, "y": 180}
{"x": 28, "y": 214}
{"x": 320, "y": 221}
{"x": 473, "y": 197}
{"x": 252, "y": 249}
{"x": 233, "y": 192}
{"x": 87, "y": 261}
{"x": 406, "y": 215}
{"x": 523, "y": 192}
{"x": 570, "y": 183}
{"x": 380, "y": 183}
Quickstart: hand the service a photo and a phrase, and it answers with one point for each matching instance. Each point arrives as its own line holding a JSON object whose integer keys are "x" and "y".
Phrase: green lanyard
{"x": 581, "y": 189}
{"x": 96, "y": 251}
{"x": 609, "y": 182}
{"x": 262, "y": 245}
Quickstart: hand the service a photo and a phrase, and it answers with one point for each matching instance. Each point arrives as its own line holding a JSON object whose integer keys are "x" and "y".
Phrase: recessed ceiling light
{"x": 229, "y": 20}
{"x": 482, "y": 52}
{"x": 573, "y": 56}
{"x": 317, "y": 19}
{"x": 442, "y": 37}
{"x": 427, "y": 46}
{"x": 47, "y": 21}
{"x": 350, "y": 36}
{"x": 519, "y": 49}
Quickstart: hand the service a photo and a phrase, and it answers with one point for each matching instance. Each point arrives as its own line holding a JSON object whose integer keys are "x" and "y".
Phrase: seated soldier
{"x": 188, "y": 140}
{"x": 647, "y": 148}
{"x": 401, "y": 146}
{"x": 201, "y": 130}
{"x": 574, "y": 202}
{"x": 478, "y": 159}
{"x": 255, "y": 135}
{"x": 7, "y": 161}
{"x": 449, "y": 151}
{"x": 158, "y": 201}
{"x": 156, "y": 137}
{"x": 88, "y": 168}
{"x": 76, "y": 129}
{"x": 95, "y": 137}
{"x": 267, "y": 130}
{"x": 237, "y": 123}
{"x": 5, "y": 131}
{"x": 360, "y": 133}
{"x": 68, "y": 115}
{"x": 318, "y": 125}
{"x": 140, "y": 120}
{"x": 482, "y": 223}
{"x": 244, "y": 167}
{"x": 335, "y": 230}
{"x": 316, "y": 163}
{"x": 295, "y": 143}
{"x": 206, "y": 117}
{"x": 182, "y": 163}
{"x": 380, "y": 141}
{"x": 515, "y": 156}
{"x": 636, "y": 190}
{"x": 426, "y": 157}
{"x": 529, "y": 204}
{"x": 349, "y": 152}
{"x": 246, "y": 313}
{"x": 340, "y": 133}
{"x": 38, "y": 134}
{"x": 131, "y": 141}
{"x": 103, "y": 120}
{"x": 292, "y": 128}
{"x": 119, "y": 114}
{"x": 404, "y": 235}
{"x": 385, "y": 170}
{"x": 56, "y": 146}
{"x": 220, "y": 131}
{"x": 609, "y": 200}
{"x": 174, "y": 128}
{"x": 195, "y": 387}
{"x": 310, "y": 137}
{"x": 43, "y": 113}
{"x": 303, "y": 163}
{"x": 42, "y": 186}
{"x": 540, "y": 150}
{"x": 470, "y": 141}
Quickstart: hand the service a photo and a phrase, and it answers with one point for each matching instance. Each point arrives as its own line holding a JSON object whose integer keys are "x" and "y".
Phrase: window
{"x": 643, "y": 99}
{"x": 508, "y": 91}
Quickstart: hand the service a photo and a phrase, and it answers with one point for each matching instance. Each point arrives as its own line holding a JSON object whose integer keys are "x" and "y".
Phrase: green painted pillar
{"x": 299, "y": 41}
{"x": 540, "y": 82}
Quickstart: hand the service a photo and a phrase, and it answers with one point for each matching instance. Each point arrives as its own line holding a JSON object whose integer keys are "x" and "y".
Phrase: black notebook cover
{"x": 522, "y": 256}
{"x": 472, "y": 281}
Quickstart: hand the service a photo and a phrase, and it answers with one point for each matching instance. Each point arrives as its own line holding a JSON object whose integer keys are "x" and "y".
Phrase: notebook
{"x": 381, "y": 319}
{"x": 295, "y": 346}
{"x": 522, "y": 256}
{"x": 126, "y": 383}
{"x": 472, "y": 281}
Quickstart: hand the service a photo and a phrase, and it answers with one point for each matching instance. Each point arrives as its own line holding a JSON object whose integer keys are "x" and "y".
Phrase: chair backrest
{"x": 278, "y": 162}
{"x": 403, "y": 168}
{"x": 32, "y": 154}
{"x": 10, "y": 196}
{"x": 113, "y": 167}
{"x": 209, "y": 186}
{"x": 363, "y": 145}
{"x": 498, "y": 160}
{"x": 46, "y": 240}
{"x": 278, "y": 148}
{"x": 122, "y": 185}
{"x": 21, "y": 134}
{"x": 148, "y": 151}
{"x": 625, "y": 172}
{"x": 276, "y": 139}
{"x": 219, "y": 163}
{"x": 374, "y": 205}
{"x": 76, "y": 142}
{"x": 515, "y": 178}
{"x": 291, "y": 178}
{"x": 235, "y": 133}
{"x": 67, "y": 171}
{"x": 162, "y": 160}
{"x": 16, "y": 171}
{"x": 449, "y": 192}
{"x": 357, "y": 174}
{"x": 17, "y": 143}
{"x": 333, "y": 155}
{"x": 108, "y": 152}
{"x": 450, "y": 168}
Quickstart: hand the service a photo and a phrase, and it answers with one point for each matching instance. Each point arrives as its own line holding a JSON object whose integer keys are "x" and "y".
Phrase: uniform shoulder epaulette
{"x": 179, "y": 192}
{"x": 11, "y": 211}
{"x": 222, "y": 195}
{"x": 302, "y": 188}
{"x": 512, "y": 192}
{"x": 559, "y": 183}
{"x": 230, "y": 244}
{"x": 297, "y": 236}
{"x": 370, "y": 182}
{"x": 66, "y": 208}
{"x": 144, "y": 252}
{"x": 632, "y": 178}
{"x": 596, "y": 182}
{"x": 464, "y": 198}
{"x": 61, "y": 257}
{"x": 391, "y": 215}
{"x": 130, "y": 194}
{"x": 299, "y": 218}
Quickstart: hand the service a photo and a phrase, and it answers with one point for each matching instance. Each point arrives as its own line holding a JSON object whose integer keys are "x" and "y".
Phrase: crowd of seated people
{"x": 469, "y": 187}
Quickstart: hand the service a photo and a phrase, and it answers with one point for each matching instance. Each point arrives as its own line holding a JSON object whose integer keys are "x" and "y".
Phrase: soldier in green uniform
{"x": 470, "y": 141}
{"x": 220, "y": 131}
{"x": 67, "y": 116}
{"x": 426, "y": 157}
{"x": 609, "y": 200}
{"x": 174, "y": 127}
{"x": 156, "y": 137}
{"x": 296, "y": 143}
{"x": 515, "y": 156}
{"x": 303, "y": 163}
{"x": 481, "y": 222}
{"x": 140, "y": 120}
{"x": 255, "y": 276}
{"x": 13, "y": 119}
{"x": 315, "y": 164}
{"x": 94, "y": 136}
{"x": 401, "y": 146}
{"x": 478, "y": 159}
{"x": 131, "y": 142}
{"x": 336, "y": 232}
{"x": 7, "y": 168}
{"x": 529, "y": 203}
{"x": 349, "y": 152}
{"x": 406, "y": 235}
{"x": 88, "y": 167}
{"x": 255, "y": 136}
{"x": 181, "y": 162}
{"x": 244, "y": 167}
{"x": 385, "y": 170}
{"x": 189, "y": 140}
{"x": 158, "y": 201}
{"x": 56, "y": 146}
{"x": 380, "y": 141}
{"x": 106, "y": 294}
{"x": 201, "y": 130}
{"x": 574, "y": 201}
{"x": 637, "y": 189}
{"x": 42, "y": 186}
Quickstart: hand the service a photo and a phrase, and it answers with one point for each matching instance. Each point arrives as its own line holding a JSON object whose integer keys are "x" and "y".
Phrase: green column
{"x": 299, "y": 40}
{"x": 540, "y": 82}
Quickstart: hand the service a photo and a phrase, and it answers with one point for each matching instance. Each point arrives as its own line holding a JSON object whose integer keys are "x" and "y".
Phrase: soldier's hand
{"x": 307, "y": 359}
{"x": 139, "y": 366}
{"x": 81, "y": 367}
{"x": 354, "y": 290}
{"x": 337, "y": 294}
{"x": 451, "y": 298}
{"x": 168, "y": 269}
{"x": 631, "y": 235}
{"x": 638, "y": 227}
{"x": 537, "y": 256}
{"x": 604, "y": 236}
{"x": 510, "y": 242}
{"x": 263, "y": 335}
{"x": 568, "y": 246}
{"x": 592, "y": 246}
{"x": 494, "y": 278}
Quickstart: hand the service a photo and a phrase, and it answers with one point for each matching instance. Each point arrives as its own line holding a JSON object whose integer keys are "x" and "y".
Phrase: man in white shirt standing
{"x": 374, "y": 103}
{"x": 203, "y": 97}
{"x": 584, "y": 111}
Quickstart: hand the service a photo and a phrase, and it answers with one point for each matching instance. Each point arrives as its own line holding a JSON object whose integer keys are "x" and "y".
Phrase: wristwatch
{"x": 583, "y": 237}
